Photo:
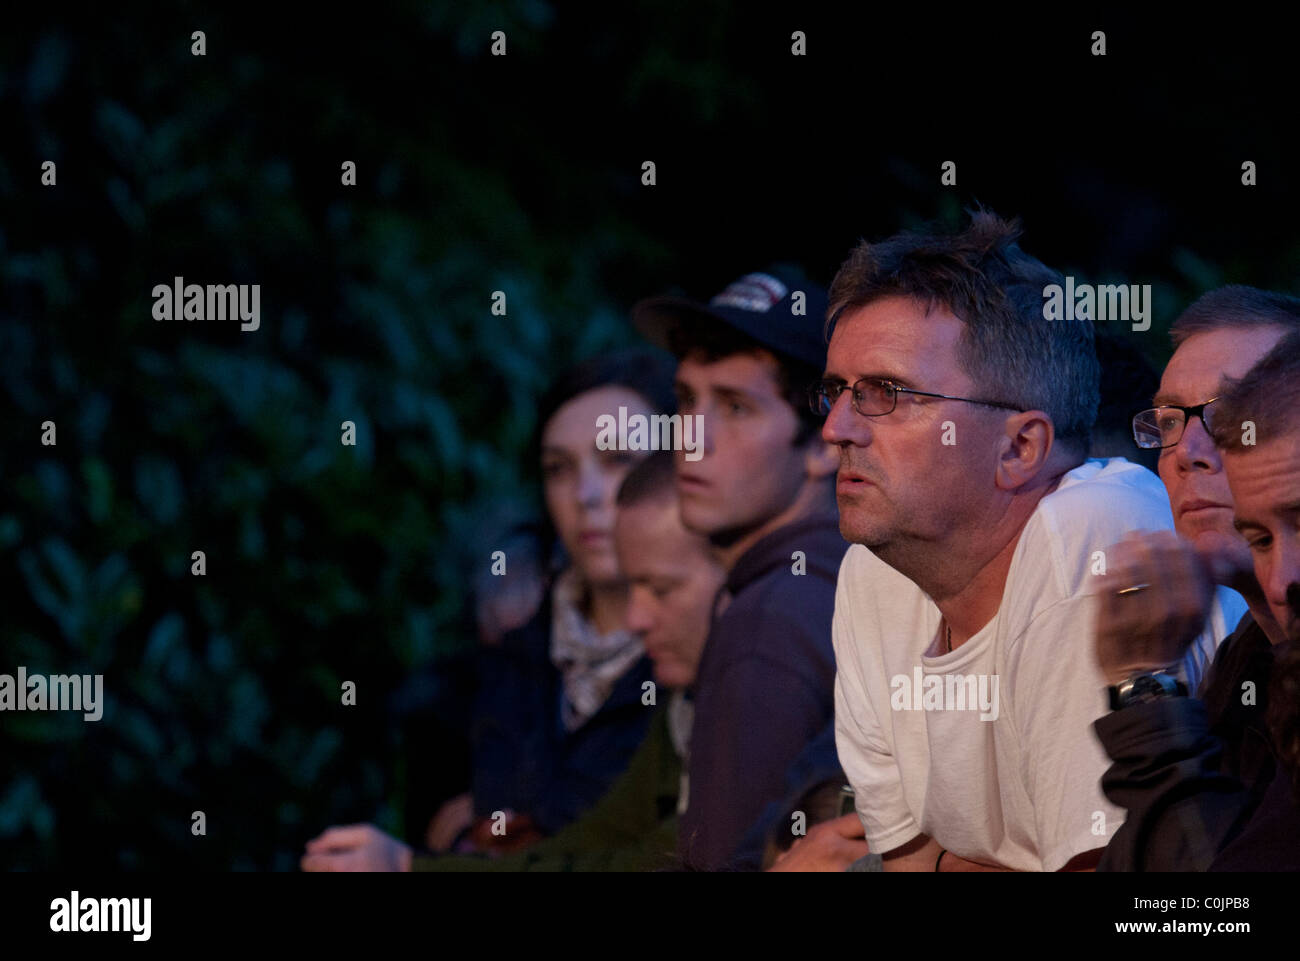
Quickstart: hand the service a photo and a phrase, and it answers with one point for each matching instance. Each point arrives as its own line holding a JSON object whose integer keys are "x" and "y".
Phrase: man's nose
{"x": 1283, "y": 586}
{"x": 844, "y": 425}
{"x": 640, "y": 616}
{"x": 707, "y": 422}
{"x": 1195, "y": 450}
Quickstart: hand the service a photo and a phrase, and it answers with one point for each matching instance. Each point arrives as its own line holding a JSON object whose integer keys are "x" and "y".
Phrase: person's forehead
{"x": 744, "y": 366}
{"x": 755, "y": 375}
{"x": 648, "y": 523}
{"x": 894, "y": 332}
{"x": 652, "y": 541}
{"x": 1200, "y": 363}
{"x": 574, "y": 422}
{"x": 1271, "y": 468}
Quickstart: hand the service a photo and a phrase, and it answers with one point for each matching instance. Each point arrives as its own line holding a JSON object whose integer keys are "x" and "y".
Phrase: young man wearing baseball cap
{"x": 763, "y": 494}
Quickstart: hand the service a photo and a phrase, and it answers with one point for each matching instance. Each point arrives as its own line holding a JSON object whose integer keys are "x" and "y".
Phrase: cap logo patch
{"x": 757, "y": 292}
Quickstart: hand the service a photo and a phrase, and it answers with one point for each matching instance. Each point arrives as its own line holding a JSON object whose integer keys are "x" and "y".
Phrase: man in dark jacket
{"x": 762, "y": 493}
{"x": 1214, "y": 783}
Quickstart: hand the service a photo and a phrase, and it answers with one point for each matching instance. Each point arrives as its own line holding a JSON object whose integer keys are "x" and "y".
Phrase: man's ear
{"x": 1024, "y": 448}
{"x": 821, "y": 460}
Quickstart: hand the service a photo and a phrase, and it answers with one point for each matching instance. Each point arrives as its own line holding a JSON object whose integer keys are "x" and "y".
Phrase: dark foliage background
{"x": 522, "y": 174}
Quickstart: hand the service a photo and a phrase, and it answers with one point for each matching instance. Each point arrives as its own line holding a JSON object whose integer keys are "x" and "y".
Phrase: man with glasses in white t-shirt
{"x": 966, "y": 682}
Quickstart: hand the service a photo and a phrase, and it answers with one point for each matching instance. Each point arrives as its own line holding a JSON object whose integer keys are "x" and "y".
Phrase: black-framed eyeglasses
{"x": 875, "y": 397}
{"x": 1161, "y": 427}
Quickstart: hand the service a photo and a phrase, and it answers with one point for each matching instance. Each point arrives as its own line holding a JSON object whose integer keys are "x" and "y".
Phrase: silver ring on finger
{"x": 1132, "y": 590}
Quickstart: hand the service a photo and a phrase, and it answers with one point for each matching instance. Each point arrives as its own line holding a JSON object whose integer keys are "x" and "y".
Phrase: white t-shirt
{"x": 1021, "y": 788}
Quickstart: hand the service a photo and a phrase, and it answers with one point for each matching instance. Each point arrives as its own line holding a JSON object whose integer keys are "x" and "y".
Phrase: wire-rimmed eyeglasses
{"x": 875, "y": 397}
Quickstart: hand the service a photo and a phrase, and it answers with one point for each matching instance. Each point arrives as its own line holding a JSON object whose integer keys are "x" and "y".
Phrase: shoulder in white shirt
{"x": 1021, "y": 787}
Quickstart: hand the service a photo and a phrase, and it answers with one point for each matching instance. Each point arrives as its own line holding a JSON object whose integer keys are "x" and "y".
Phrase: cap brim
{"x": 657, "y": 317}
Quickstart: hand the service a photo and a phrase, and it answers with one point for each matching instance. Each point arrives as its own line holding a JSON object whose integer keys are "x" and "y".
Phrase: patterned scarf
{"x": 589, "y": 663}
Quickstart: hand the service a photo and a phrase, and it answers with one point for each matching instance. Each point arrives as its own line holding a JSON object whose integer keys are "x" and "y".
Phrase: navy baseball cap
{"x": 783, "y": 315}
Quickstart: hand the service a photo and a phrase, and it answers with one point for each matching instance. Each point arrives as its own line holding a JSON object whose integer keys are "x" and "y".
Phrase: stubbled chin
{"x": 1207, "y": 523}
{"x": 855, "y": 531}
{"x": 1213, "y": 537}
{"x": 1228, "y": 552}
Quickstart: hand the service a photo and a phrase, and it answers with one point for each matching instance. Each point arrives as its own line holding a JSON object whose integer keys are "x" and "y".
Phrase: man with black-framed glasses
{"x": 1158, "y": 428}
{"x": 1221, "y": 335}
{"x": 1163, "y": 589}
{"x": 1202, "y": 522}
{"x": 966, "y": 683}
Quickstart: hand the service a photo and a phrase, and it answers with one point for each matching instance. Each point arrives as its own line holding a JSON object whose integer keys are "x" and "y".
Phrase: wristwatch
{"x": 1144, "y": 687}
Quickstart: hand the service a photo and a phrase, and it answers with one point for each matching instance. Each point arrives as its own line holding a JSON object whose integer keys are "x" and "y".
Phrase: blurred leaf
{"x": 158, "y": 488}
{"x": 165, "y": 637}
{"x": 48, "y": 65}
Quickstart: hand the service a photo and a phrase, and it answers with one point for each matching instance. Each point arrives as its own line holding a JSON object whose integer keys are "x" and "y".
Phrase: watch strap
{"x": 1144, "y": 687}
